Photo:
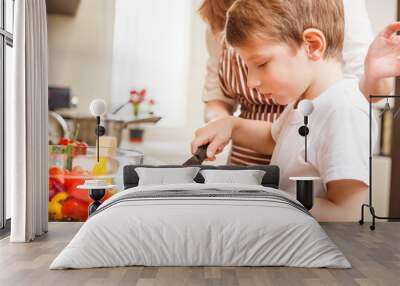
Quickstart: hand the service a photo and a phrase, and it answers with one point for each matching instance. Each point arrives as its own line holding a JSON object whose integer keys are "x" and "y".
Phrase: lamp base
{"x": 305, "y": 190}
{"x": 96, "y": 195}
{"x": 304, "y": 193}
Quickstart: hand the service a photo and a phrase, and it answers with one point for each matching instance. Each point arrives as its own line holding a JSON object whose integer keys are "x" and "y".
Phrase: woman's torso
{"x": 253, "y": 105}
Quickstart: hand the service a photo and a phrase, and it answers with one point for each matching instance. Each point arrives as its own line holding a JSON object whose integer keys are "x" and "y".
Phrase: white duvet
{"x": 202, "y": 231}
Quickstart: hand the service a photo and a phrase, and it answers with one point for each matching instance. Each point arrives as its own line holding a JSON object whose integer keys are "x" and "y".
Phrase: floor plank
{"x": 375, "y": 257}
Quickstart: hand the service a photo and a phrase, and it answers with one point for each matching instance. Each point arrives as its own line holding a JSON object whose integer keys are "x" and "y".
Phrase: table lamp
{"x": 305, "y": 185}
{"x": 97, "y": 188}
{"x": 98, "y": 108}
{"x": 97, "y": 191}
{"x": 305, "y": 108}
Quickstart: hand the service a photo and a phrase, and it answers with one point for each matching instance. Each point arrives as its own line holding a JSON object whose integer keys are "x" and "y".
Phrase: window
{"x": 6, "y": 43}
{"x": 152, "y": 50}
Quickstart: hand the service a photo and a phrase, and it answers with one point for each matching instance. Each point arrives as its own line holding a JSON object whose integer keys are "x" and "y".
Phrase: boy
{"x": 292, "y": 50}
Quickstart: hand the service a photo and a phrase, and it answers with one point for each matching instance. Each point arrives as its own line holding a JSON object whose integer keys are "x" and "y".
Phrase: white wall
{"x": 152, "y": 50}
{"x": 80, "y": 51}
{"x": 381, "y": 13}
{"x": 172, "y": 144}
{"x": 193, "y": 109}
{"x": 180, "y": 136}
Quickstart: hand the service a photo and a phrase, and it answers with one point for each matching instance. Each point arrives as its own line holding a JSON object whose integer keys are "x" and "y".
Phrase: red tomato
{"x": 58, "y": 187}
{"x": 75, "y": 209}
{"x": 63, "y": 141}
{"x": 57, "y": 173}
{"x": 50, "y": 184}
{"x": 73, "y": 182}
{"x": 83, "y": 148}
{"x": 80, "y": 194}
{"x": 79, "y": 148}
{"x": 76, "y": 177}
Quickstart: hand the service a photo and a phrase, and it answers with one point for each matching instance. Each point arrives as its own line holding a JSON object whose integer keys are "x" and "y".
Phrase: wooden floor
{"x": 375, "y": 257}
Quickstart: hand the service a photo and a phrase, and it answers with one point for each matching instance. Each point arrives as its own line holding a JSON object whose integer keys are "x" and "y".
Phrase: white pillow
{"x": 166, "y": 176}
{"x": 247, "y": 177}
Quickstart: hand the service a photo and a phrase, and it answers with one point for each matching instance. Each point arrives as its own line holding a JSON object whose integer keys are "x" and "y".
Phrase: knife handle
{"x": 201, "y": 152}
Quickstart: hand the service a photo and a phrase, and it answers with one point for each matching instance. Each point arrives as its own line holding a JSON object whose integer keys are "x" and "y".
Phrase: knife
{"x": 198, "y": 157}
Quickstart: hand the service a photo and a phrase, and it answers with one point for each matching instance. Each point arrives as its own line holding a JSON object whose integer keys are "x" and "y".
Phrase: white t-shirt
{"x": 357, "y": 38}
{"x": 338, "y": 142}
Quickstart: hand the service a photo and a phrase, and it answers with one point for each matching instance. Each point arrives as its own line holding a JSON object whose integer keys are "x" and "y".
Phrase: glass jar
{"x": 70, "y": 166}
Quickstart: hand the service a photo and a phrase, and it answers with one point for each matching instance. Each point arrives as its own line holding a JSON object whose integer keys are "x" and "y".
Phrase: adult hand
{"x": 217, "y": 133}
{"x": 383, "y": 58}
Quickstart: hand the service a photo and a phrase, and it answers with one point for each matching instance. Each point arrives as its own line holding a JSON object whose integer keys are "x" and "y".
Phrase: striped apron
{"x": 232, "y": 74}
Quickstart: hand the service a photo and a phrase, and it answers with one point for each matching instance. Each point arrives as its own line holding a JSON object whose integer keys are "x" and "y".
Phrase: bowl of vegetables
{"x": 71, "y": 163}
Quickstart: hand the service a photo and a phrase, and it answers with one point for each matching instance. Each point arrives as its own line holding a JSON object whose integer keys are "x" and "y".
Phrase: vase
{"x": 136, "y": 110}
{"x": 136, "y": 135}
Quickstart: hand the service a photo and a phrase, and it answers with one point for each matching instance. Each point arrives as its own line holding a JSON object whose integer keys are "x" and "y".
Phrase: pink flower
{"x": 137, "y": 97}
{"x": 142, "y": 93}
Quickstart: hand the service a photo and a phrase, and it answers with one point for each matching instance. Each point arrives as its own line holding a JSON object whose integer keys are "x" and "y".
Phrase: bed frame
{"x": 304, "y": 189}
{"x": 270, "y": 179}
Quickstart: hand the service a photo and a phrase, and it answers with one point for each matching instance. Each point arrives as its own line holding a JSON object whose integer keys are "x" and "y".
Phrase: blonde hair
{"x": 285, "y": 21}
{"x": 213, "y": 12}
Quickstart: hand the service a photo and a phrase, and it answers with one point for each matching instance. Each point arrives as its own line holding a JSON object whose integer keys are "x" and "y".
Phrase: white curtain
{"x": 26, "y": 118}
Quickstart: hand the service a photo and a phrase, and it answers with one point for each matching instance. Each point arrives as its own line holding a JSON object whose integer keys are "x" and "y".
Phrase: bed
{"x": 201, "y": 224}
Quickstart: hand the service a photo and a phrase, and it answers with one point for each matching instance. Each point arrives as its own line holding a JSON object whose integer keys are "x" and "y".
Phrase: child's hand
{"x": 383, "y": 58}
{"x": 218, "y": 133}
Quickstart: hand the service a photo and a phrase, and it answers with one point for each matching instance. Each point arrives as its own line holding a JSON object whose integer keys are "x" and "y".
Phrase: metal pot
{"x": 113, "y": 127}
{"x": 58, "y": 127}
